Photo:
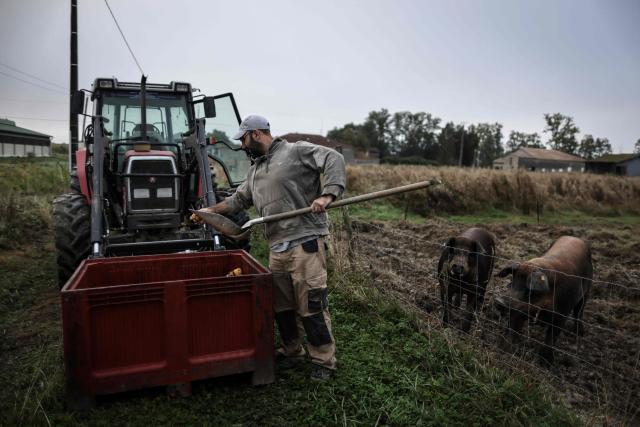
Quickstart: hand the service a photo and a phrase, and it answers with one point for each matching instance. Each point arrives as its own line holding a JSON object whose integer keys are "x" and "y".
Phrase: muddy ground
{"x": 599, "y": 370}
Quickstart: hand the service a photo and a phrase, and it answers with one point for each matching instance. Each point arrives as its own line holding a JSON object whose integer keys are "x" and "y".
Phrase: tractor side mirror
{"x": 77, "y": 102}
{"x": 209, "y": 104}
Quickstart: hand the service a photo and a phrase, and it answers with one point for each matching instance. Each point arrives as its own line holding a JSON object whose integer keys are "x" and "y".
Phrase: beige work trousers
{"x": 300, "y": 302}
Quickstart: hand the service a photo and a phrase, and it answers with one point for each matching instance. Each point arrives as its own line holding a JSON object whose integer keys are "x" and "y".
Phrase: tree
{"x": 414, "y": 134}
{"x": 522, "y": 139}
{"x": 377, "y": 128}
{"x": 591, "y": 148}
{"x": 450, "y": 138}
{"x": 350, "y": 134}
{"x": 220, "y": 136}
{"x": 637, "y": 147}
{"x": 489, "y": 143}
{"x": 563, "y": 133}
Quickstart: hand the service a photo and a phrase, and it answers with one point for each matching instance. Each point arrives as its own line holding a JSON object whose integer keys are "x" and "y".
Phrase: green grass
{"x": 381, "y": 211}
{"x": 390, "y": 373}
{"x": 384, "y": 211}
{"x": 554, "y": 218}
{"x": 28, "y": 187}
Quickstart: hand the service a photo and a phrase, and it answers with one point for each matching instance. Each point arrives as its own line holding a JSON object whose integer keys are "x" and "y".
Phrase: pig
{"x": 465, "y": 268}
{"x": 547, "y": 289}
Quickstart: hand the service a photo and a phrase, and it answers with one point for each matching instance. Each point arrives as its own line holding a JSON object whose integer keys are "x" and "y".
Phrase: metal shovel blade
{"x": 223, "y": 225}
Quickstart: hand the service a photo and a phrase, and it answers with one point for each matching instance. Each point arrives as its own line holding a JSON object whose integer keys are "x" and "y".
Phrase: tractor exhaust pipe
{"x": 143, "y": 107}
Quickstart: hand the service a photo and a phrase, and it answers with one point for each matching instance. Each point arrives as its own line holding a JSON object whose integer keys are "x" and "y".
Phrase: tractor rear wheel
{"x": 72, "y": 229}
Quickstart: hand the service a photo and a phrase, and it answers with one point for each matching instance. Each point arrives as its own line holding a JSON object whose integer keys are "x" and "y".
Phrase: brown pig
{"x": 547, "y": 289}
{"x": 465, "y": 268}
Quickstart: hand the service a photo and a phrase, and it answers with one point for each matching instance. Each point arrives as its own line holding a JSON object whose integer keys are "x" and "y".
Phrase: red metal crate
{"x": 135, "y": 322}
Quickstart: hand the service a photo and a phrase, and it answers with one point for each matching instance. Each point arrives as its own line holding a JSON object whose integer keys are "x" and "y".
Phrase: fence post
{"x": 349, "y": 229}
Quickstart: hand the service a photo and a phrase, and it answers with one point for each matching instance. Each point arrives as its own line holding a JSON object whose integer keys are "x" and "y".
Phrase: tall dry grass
{"x": 28, "y": 188}
{"x": 476, "y": 190}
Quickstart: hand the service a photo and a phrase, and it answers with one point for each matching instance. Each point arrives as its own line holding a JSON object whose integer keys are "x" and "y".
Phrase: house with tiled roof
{"x": 16, "y": 141}
{"x": 350, "y": 153}
{"x": 540, "y": 160}
{"x": 617, "y": 164}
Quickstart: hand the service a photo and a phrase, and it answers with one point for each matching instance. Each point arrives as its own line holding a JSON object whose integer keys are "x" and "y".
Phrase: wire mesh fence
{"x": 595, "y": 357}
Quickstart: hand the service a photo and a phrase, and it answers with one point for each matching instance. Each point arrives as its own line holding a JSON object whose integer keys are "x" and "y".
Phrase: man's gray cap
{"x": 253, "y": 122}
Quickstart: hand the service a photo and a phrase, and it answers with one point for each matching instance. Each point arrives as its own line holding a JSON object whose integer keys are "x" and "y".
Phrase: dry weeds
{"x": 475, "y": 190}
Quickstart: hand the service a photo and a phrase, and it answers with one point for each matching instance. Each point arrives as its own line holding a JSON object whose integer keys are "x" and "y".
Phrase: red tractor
{"x": 149, "y": 158}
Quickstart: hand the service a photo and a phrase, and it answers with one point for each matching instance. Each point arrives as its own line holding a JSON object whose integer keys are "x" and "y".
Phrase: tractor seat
{"x": 153, "y": 133}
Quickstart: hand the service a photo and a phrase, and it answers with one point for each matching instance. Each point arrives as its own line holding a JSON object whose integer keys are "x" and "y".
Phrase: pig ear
{"x": 450, "y": 244}
{"x": 508, "y": 270}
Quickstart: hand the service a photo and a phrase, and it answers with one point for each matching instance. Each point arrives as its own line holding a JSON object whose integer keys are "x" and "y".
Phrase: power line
{"x": 34, "y": 84}
{"x": 32, "y": 76}
{"x": 123, "y": 37}
{"x": 36, "y": 118}
{"x": 35, "y": 101}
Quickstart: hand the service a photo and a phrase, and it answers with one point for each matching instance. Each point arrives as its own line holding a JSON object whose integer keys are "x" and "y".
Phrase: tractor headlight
{"x": 105, "y": 84}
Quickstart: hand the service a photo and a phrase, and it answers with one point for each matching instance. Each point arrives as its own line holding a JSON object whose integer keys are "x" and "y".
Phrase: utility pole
{"x": 73, "y": 85}
{"x": 461, "y": 145}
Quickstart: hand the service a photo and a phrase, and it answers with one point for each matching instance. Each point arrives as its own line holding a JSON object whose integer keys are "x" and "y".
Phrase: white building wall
{"x": 7, "y": 149}
{"x": 19, "y": 150}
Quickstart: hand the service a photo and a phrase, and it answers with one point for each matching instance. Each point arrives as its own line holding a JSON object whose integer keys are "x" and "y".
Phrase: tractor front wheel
{"x": 72, "y": 229}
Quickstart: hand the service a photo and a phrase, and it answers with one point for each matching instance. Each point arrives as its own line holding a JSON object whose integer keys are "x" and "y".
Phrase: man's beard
{"x": 250, "y": 149}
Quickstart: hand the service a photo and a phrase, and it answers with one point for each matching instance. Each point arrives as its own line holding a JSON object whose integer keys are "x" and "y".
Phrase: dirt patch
{"x": 601, "y": 369}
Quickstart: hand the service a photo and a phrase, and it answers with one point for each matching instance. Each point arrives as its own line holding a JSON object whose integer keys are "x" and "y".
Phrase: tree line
{"x": 406, "y": 137}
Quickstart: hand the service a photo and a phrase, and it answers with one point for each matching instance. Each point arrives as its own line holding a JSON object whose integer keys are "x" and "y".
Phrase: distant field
{"x": 476, "y": 191}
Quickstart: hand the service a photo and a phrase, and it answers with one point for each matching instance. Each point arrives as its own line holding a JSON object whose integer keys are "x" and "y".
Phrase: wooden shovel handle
{"x": 348, "y": 201}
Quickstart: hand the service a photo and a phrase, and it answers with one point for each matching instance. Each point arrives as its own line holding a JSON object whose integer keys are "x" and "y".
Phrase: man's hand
{"x": 220, "y": 208}
{"x": 320, "y": 204}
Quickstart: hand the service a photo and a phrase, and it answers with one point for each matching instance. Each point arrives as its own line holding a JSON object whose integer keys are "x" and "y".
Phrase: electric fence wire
{"x": 627, "y": 406}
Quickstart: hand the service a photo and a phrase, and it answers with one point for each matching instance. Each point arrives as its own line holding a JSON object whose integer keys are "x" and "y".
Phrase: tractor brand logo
{"x": 152, "y": 180}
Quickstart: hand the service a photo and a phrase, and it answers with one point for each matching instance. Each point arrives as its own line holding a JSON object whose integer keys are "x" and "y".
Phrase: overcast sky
{"x": 311, "y": 66}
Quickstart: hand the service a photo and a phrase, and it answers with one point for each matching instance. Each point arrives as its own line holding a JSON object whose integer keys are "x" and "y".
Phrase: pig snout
{"x": 457, "y": 269}
{"x": 500, "y": 305}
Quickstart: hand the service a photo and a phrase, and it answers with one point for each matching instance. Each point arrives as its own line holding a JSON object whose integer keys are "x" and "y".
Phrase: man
{"x": 286, "y": 176}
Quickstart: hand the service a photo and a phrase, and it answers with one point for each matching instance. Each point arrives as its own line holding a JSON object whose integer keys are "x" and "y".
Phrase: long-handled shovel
{"x": 230, "y": 229}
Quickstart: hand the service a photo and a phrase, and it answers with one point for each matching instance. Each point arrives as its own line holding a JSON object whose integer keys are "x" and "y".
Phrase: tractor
{"x": 152, "y": 153}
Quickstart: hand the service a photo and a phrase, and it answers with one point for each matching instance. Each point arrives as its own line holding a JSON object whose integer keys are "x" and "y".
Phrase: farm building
{"x": 20, "y": 142}
{"x": 618, "y": 164}
{"x": 351, "y": 154}
{"x": 540, "y": 160}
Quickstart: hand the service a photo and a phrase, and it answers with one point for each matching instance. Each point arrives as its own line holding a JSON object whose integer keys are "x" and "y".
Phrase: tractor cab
{"x": 153, "y": 152}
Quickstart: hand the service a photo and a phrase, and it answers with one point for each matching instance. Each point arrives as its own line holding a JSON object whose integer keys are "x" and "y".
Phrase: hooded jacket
{"x": 288, "y": 178}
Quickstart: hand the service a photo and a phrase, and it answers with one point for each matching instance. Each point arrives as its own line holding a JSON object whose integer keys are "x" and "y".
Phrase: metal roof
{"x": 542, "y": 154}
{"x": 314, "y": 139}
{"x": 615, "y": 158}
{"x": 9, "y": 126}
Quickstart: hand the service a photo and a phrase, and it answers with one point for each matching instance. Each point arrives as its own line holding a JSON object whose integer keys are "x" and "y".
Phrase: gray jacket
{"x": 288, "y": 178}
